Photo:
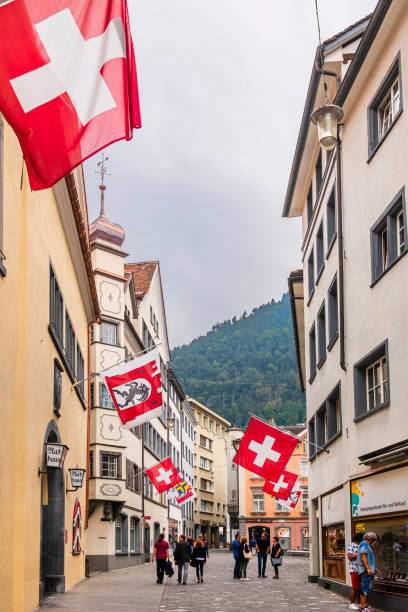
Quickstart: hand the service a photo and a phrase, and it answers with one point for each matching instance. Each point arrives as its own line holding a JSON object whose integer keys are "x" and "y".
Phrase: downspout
{"x": 319, "y": 67}
{"x": 143, "y": 500}
{"x": 341, "y": 250}
{"x": 88, "y": 428}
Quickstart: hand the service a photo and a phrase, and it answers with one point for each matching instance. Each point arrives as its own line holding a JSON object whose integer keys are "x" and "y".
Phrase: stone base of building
{"x": 107, "y": 563}
{"x": 386, "y": 601}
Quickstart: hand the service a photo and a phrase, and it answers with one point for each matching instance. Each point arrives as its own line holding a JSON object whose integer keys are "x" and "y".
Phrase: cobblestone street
{"x": 136, "y": 589}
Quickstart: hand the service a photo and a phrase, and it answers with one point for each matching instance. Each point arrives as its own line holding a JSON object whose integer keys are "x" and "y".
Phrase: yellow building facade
{"x": 47, "y": 300}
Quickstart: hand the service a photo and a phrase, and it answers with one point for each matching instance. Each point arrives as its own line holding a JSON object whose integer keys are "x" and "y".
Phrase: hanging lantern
{"x": 327, "y": 119}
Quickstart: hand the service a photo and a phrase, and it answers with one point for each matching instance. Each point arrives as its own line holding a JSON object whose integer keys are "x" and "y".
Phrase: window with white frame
{"x": 258, "y": 500}
{"x": 303, "y": 468}
{"x": 110, "y": 465}
{"x": 385, "y": 107}
{"x": 132, "y": 533}
{"x": 305, "y": 497}
{"x": 389, "y": 108}
{"x": 105, "y": 397}
{"x": 401, "y": 232}
{"x": 109, "y": 333}
{"x": 372, "y": 382}
{"x": 377, "y": 383}
{"x": 280, "y": 507}
{"x": 118, "y": 533}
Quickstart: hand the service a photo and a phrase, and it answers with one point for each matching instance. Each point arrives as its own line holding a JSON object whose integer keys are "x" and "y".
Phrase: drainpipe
{"x": 319, "y": 67}
{"x": 341, "y": 249}
{"x": 143, "y": 500}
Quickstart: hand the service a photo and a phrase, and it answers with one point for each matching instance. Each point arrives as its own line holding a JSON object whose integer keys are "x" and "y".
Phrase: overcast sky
{"x": 222, "y": 86}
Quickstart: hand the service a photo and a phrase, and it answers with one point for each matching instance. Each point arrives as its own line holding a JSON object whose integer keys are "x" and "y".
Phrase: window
{"x": 211, "y": 425}
{"x": 206, "y": 506}
{"x": 132, "y": 535}
{"x": 305, "y": 496}
{"x": 110, "y": 465}
{"x": 385, "y": 107}
{"x": 321, "y": 330}
{"x": 92, "y": 397}
{"x": 333, "y": 315}
{"x": 310, "y": 273}
{"x": 280, "y": 507}
{"x": 333, "y": 410}
{"x": 108, "y": 333}
{"x": 388, "y": 240}
{"x": 319, "y": 250}
{"x": 56, "y": 308}
{"x": 203, "y": 441}
{"x": 118, "y": 533}
{"x": 146, "y": 337}
{"x": 91, "y": 464}
{"x": 309, "y": 204}
{"x": 105, "y": 398}
{"x": 217, "y": 428}
{"x": 303, "y": 468}
{"x": 69, "y": 343}
{"x": 312, "y": 353}
{"x": 80, "y": 371}
{"x": 132, "y": 476}
{"x": 147, "y": 487}
{"x": 334, "y": 558}
{"x": 205, "y": 421}
{"x": 321, "y": 426}
{"x": 331, "y": 218}
{"x": 312, "y": 437}
{"x": 318, "y": 173}
{"x": 218, "y": 508}
{"x": 258, "y": 500}
{"x": 371, "y": 382}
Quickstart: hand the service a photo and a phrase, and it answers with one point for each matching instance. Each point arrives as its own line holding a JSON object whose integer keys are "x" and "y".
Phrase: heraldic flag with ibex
{"x": 135, "y": 389}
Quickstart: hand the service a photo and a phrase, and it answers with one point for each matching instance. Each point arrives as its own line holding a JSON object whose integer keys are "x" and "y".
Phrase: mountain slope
{"x": 245, "y": 365}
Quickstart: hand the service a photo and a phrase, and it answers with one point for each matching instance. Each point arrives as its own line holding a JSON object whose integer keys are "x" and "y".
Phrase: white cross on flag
{"x": 68, "y": 84}
{"x": 283, "y": 486}
{"x": 265, "y": 450}
{"x": 164, "y": 475}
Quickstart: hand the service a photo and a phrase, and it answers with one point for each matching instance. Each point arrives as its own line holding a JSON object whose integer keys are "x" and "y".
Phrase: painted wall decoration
{"x": 109, "y": 297}
{"x": 77, "y": 529}
{"x": 110, "y": 489}
{"x": 110, "y": 428}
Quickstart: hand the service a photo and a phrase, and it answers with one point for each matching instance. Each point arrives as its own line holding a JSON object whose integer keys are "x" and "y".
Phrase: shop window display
{"x": 334, "y": 564}
{"x": 390, "y": 551}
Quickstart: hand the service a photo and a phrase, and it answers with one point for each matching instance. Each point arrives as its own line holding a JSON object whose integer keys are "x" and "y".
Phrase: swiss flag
{"x": 68, "y": 84}
{"x": 135, "y": 389}
{"x": 283, "y": 487}
{"x": 164, "y": 475}
{"x": 265, "y": 450}
{"x": 293, "y": 498}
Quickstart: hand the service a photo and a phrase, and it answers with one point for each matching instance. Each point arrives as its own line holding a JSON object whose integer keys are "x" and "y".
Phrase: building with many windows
{"x": 348, "y": 301}
{"x": 47, "y": 300}
{"x": 210, "y": 474}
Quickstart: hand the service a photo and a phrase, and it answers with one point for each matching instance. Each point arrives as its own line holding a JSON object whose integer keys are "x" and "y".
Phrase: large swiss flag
{"x": 68, "y": 84}
{"x": 283, "y": 487}
{"x": 265, "y": 450}
{"x": 164, "y": 475}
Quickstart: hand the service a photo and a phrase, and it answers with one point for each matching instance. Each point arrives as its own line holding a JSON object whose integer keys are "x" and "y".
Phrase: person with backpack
{"x": 162, "y": 554}
{"x": 276, "y": 556}
{"x": 199, "y": 558}
{"x": 244, "y": 556}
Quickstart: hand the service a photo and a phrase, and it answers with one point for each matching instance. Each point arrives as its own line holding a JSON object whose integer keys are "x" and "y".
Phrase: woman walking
{"x": 200, "y": 557}
{"x": 162, "y": 554}
{"x": 276, "y": 556}
{"x": 244, "y": 557}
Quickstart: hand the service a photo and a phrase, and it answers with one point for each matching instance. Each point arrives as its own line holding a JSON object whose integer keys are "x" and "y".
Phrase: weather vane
{"x": 102, "y": 171}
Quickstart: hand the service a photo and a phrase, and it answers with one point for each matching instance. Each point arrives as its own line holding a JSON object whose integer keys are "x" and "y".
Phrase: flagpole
{"x": 288, "y": 432}
{"x": 150, "y": 348}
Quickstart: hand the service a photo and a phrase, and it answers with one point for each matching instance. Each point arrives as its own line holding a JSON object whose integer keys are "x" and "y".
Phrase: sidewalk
{"x": 133, "y": 588}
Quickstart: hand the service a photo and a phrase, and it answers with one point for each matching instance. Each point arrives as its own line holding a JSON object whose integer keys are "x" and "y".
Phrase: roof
{"x": 197, "y": 404}
{"x": 142, "y": 274}
{"x": 349, "y": 28}
{"x": 297, "y": 309}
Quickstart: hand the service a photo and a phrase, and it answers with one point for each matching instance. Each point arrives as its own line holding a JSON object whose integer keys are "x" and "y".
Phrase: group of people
{"x": 244, "y": 551}
{"x": 187, "y": 552}
{"x": 362, "y": 569}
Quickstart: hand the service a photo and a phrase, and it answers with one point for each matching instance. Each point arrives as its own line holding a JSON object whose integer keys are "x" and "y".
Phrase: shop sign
{"x": 56, "y": 455}
{"x": 380, "y": 494}
{"x": 333, "y": 508}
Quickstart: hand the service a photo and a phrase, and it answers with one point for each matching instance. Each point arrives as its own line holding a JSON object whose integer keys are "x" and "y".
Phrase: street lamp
{"x": 327, "y": 118}
{"x": 77, "y": 478}
{"x": 54, "y": 456}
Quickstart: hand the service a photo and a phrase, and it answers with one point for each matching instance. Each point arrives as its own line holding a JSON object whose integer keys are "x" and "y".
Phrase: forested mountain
{"x": 245, "y": 365}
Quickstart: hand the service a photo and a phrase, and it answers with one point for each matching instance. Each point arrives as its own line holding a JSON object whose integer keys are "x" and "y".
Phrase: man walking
{"x": 366, "y": 568}
{"x": 352, "y": 551}
{"x": 182, "y": 558}
{"x": 235, "y": 550}
{"x": 262, "y": 548}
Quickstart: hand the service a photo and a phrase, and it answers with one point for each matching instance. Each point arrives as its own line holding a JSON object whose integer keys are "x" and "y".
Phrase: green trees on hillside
{"x": 246, "y": 365}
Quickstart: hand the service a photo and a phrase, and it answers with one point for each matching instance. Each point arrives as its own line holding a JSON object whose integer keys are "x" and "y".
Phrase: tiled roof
{"x": 348, "y": 29}
{"x": 142, "y": 274}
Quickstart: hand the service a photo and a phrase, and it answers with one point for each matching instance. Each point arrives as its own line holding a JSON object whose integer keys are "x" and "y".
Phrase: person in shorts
{"x": 352, "y": 551}
{"x": 366, "y": 568}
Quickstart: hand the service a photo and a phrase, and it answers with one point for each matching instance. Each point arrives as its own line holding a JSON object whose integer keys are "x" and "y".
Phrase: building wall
{"x": 33, "y": 236}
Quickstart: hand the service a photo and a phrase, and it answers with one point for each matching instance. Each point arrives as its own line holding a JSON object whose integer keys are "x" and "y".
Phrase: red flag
{"x": 283, "y": 487}
{"x": 265, "y": 450}
{"x": 68, "y": 84}
{"x": 164, "y": 475}
{"x": 135, "y": 389}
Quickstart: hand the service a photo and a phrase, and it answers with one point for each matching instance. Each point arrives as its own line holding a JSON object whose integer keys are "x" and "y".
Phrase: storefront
{"x": 380, "y": 504}
{"x": 333, "y": 536}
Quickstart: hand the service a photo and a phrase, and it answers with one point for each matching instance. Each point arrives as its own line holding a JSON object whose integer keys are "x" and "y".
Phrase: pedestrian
{"x": 235, "y": 552}
{"x": 200, "y": 557}
{"x": 244, "y": 557}
{"x": 366, "y": 568}
{"x": 190, "y": 540}
{"x": 205, "y": 542}
{"x": 262, "y": 548}
{"x": 182, "y": 558}
{"x": 352, "y": 551}
{"x": 276, "y": 556}
{"x": 252, "y": 543}
{"x": 162, "y": 554}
